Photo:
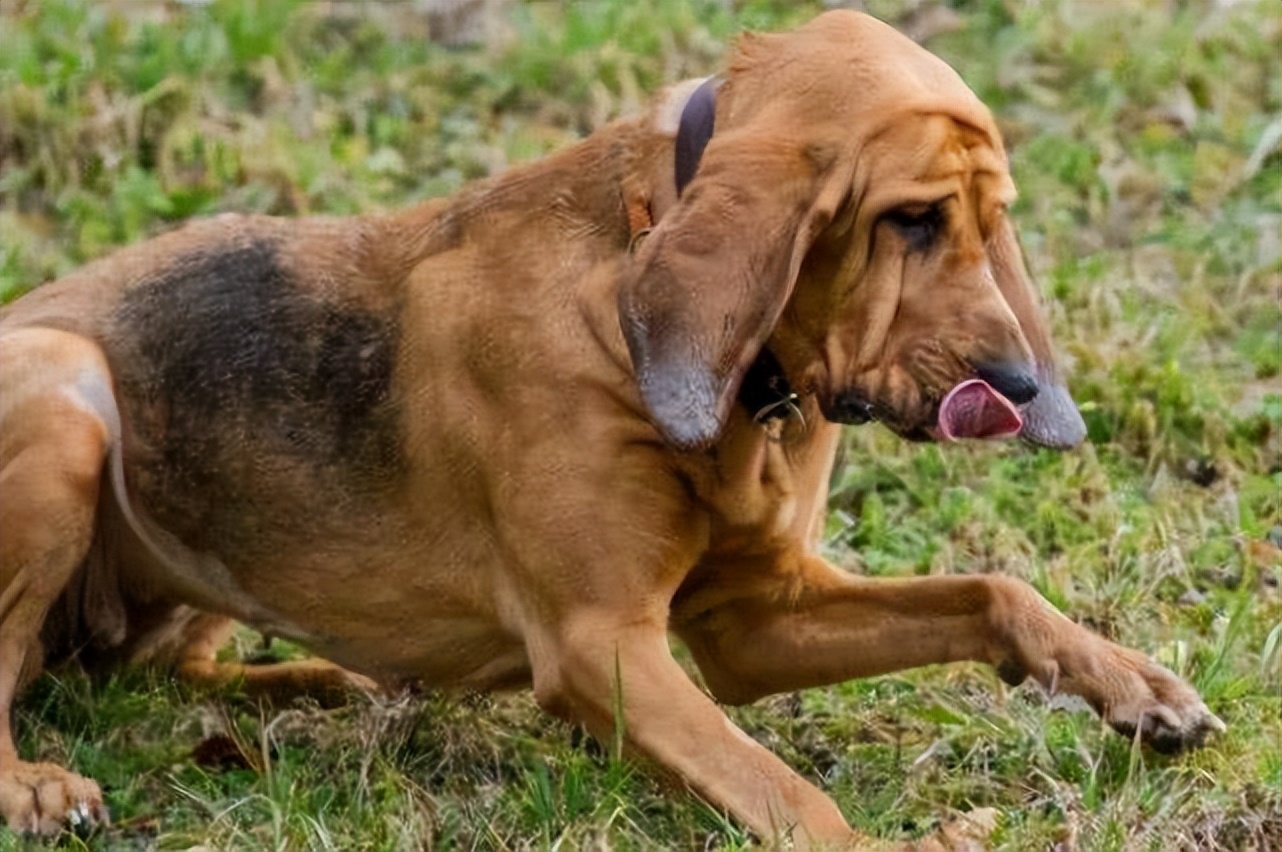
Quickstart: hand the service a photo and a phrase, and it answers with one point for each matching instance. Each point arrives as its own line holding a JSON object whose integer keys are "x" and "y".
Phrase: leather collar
{"x": 694, "y": 131}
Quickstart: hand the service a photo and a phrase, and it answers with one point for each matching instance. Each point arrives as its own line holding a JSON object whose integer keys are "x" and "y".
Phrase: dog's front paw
{"x": 1131, "y": 692}
{"x": 1166, "y": 712}
{"x": 41, "y": 798}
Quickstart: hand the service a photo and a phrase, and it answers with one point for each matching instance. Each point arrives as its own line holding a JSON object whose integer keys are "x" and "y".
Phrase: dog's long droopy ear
{"x": 710, "y": 282}
{"x": 1051, "y": 419}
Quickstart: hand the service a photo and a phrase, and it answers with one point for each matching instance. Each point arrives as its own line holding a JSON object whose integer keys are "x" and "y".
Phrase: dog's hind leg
{"x": 57, "y": 424}
{"x": 196, "y": 663}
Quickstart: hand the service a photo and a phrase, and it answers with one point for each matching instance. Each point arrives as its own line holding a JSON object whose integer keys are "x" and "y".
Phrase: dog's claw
{"x": 1168, "y": 734}
{"x": 85, "y": 817}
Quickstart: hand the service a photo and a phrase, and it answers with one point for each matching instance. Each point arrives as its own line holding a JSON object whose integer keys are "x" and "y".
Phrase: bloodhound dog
{"x": 521, "y": 435}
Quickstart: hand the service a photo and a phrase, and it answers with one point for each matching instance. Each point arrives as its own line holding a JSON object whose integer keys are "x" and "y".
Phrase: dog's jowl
{"x": 518, "y": 436}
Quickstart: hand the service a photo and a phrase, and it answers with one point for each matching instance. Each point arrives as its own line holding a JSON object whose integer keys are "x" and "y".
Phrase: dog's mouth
{"x": 974, "y": 409}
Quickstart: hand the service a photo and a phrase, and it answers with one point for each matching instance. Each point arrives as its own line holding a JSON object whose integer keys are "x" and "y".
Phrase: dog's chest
{"x": 761, "y": 493}
{"x": 751, "y": 495}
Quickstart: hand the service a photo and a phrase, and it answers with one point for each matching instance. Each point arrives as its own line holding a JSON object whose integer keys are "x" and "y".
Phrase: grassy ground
{"x": 1145, "y": 137}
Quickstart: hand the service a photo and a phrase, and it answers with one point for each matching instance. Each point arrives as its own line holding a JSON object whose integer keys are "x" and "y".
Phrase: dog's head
{"x": 849, "y": 212}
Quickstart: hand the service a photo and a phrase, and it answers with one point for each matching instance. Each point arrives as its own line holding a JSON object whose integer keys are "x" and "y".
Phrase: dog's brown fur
{"x": 492, "y": 441}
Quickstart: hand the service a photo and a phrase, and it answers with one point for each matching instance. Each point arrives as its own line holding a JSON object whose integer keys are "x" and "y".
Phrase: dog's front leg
{"x": 617, "y": 677}
{"x": 806, "y": 623}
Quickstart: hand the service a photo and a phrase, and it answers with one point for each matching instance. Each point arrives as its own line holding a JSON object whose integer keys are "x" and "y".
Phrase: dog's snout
{"x": 1016, "y": 382}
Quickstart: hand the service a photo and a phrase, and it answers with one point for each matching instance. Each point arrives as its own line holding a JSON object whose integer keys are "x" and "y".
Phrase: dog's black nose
{"x": 1013, "y": 381}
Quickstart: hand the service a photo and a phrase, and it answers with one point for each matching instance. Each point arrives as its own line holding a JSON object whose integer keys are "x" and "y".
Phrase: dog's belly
{"x": 394, "y": 614}
{"x": 399, "y": 619}
{"x": 444, "y": 653}
{"x": 383, "y": 588}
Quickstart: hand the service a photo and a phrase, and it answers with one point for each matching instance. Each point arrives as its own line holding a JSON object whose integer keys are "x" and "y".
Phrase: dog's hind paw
{"x": 44, "y": 799}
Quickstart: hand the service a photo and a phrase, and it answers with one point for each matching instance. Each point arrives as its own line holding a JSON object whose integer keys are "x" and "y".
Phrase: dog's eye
{"x": 917, "y": 225}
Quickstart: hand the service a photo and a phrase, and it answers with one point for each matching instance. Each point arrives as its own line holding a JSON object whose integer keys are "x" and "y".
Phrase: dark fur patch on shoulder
{"x": 250, "y": 400}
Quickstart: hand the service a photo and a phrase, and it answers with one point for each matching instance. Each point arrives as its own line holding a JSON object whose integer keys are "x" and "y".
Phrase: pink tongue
{"x": 974, "y": 410}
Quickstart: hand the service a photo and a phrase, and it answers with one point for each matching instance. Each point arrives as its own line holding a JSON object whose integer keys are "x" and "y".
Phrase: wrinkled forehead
{"x": 925, "y": 157}
{"x": 848, "y": 88}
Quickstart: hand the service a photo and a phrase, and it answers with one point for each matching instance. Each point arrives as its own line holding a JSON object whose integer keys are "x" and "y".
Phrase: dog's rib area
{"x": 240, "y": 385}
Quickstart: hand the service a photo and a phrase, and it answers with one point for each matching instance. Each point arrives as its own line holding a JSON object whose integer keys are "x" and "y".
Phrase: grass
{"x": 1145, "y": 138}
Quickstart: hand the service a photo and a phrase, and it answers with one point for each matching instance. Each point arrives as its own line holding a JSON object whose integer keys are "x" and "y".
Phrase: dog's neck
{"x": 765, "y": 392}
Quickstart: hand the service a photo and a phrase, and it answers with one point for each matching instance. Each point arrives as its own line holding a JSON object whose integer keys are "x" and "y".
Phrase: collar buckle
{"x": 774, "y": 419}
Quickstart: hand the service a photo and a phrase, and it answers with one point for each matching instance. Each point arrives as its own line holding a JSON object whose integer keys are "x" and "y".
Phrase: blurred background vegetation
{"x": 1146, "y": 137}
